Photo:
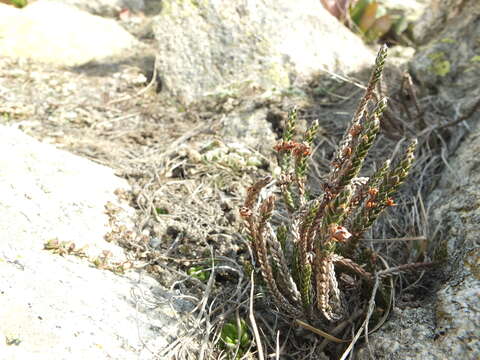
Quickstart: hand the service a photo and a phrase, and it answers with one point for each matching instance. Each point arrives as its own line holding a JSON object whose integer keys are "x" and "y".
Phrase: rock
{"x": 106, "y": 8}
{"x": 446, "y": 327}
{"x": 251, "y": 128}
{"x": 74, "y": 38}
{"x": 62, "y": 307}
{"x": 448, "y": 63}
{"x": 411, "y": 9}
{"x": 210, "y": 46}
{"x": 439, "y": 12}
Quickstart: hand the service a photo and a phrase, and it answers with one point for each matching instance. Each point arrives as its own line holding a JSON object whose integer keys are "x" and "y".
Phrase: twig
{"x": 408, "y": 238}
{"x": 464, "y": 117}
{"x": 371, "y": 307}
{"x": 145, "y": 89}
{"x": 253, "y": 322}
{"x": 320, "y": 332}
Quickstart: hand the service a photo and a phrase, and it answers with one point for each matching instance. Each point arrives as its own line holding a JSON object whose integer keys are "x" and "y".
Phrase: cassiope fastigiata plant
{"x": 311, "y": 260}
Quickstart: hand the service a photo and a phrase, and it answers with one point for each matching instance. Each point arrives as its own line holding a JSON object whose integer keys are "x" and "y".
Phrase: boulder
{"x": 63, "y": 307}
{"x": 448, "y": 62}
{"x": 106, "y": 8}
{"x": 446, "y": 326}
{"x": 205, "y": 47}
{"x": 440, "y": 12}
{"x": 74, "y": 38}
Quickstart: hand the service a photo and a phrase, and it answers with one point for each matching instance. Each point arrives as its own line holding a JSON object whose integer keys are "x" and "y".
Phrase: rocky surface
{"x": 210, "y": 46}
{"x": 448, "y": 61}
{"x": 62, "y": 305}
{"x": 446, "y": 326}
{"x": 433, "y": 21}
{"x": 107, "y": 8}
{"x": 74, "y": 38}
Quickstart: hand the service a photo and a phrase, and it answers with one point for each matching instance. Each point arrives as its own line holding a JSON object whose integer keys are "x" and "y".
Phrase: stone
{"x": 440, "y": 12}
{"x": 106, "y": 8}
{"x": 448, "y": 62}
{"x": 74, "y": 38}
{"x": 446, "y": 327}
{"x": 411, "y": 9}
{"x": 205, "y": 47}
{"x": 63, "y": 307}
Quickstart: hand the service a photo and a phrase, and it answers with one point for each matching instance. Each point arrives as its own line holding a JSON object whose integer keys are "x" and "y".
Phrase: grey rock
{"x": 107, "y": 8}
{"x": 448, "y": 326}
{"x": 438, "y": 13}
{"x": 411, "y": 9}
{"x": 251, "y": 128}
{"x": 210, "y": 46}
{"x": 54, "y": 307}
{"x": 448, "y": 62}
{"x": 74, "y": 38}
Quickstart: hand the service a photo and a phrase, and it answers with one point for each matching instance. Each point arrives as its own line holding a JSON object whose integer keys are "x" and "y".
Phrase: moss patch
{"x": 475, "y": 59}
{"x": 440, "y": 65}
{"x": 447, "y": 41}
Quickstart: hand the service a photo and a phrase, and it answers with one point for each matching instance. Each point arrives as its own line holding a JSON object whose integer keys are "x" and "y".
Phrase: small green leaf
{"x": 234, "y": 337}
{"x": 19, "y": 3}
{"x": 199, "y": 272}
{"x": 161, "y": 211}
{"x": 368, "y": 17}
{"x": 358, "y": 9}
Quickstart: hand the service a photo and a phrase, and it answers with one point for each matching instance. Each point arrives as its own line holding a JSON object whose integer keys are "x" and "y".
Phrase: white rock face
{"x": 56, "y": 33}
{"x": 106, "y": 7}
{"x": 54, "y": 307}
{"x": 209, "y": 46}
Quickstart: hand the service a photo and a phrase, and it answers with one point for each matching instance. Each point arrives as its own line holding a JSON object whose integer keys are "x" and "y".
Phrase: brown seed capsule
{"x": 340, "y": 233}
{"x": 245, "y": 212}
{"x": 373, "y": 192}
{"x": 390, "y": 202}
{"x": 355, "y": 130}
{"x": 347, "y": 151}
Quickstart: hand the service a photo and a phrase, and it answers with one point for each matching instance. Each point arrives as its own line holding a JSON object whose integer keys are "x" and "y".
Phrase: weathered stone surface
{"x": 74, "y": 38}
{"x": 208, "y": 46}
{"x": 62, "y": 307}
{"x": 439, "y": 13}
{"x": 449, "y": 61}
{"x": 446, "y": 328}
{"x": 106, "y": 7}
{"x": 411, "y": 9}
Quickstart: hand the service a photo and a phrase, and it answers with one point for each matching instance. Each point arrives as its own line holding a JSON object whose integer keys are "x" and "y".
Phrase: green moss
{"x": 440, "y": 65}
{"x": 441, "y": 68}
{"x": 447, "y": 41}
{"x": 436, "y": 56}
{"x": 475, "y": 59}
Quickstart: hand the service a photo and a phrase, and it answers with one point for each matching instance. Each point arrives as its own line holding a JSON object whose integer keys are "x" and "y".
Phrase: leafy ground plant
{"x": 236, "y": 339}
{"x": 17, "y": 3}
{"x": 370, "y": 18}
{"x": 307, "y": 247}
